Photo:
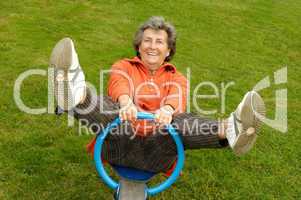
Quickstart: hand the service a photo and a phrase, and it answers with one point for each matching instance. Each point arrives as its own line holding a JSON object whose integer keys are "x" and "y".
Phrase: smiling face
{"x": 154, "y": 48}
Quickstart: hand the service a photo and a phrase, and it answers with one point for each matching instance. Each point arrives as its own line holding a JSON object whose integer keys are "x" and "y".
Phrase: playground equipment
{"x": 132, "y": 182}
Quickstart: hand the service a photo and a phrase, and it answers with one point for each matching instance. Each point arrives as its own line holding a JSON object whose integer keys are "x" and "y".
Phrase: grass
{"x": 221, "y": 41}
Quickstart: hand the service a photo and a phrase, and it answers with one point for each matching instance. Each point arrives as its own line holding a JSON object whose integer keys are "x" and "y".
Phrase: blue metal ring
{"x": 150, "y": 191}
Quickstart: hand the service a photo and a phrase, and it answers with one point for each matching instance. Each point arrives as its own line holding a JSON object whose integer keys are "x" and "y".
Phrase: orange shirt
{"x": 148, "y": 91}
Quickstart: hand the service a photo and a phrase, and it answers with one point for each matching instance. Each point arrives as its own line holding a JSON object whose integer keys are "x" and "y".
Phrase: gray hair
{"x": 157, "y": 23}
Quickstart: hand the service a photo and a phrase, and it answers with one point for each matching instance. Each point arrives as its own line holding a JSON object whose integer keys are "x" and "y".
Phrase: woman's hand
{"x": 128, "y": 110}
{"x": 164, "y": 115}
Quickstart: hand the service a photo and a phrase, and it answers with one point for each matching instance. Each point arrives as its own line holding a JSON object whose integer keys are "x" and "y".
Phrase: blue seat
{"x": 133, "y": 174}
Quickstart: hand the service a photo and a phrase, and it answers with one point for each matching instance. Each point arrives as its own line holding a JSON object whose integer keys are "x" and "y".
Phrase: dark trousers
{"x": 155, "y": 152}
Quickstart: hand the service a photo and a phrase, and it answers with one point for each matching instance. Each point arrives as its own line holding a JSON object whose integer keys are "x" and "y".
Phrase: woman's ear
{"x": 168, "y": 53}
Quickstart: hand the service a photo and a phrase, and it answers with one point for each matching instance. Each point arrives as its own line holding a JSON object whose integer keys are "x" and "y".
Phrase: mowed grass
{"x": 220, "y": 41}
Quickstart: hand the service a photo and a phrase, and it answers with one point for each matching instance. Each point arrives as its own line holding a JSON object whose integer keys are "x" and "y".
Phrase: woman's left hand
{"x": 163, "y": 116}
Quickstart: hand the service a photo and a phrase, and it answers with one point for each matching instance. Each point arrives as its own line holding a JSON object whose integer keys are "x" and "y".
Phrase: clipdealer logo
{"x": 280, "y": 78}
{"x": 280, "y": 121}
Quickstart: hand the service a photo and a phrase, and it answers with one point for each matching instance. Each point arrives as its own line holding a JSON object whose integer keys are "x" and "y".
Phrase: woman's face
{"x": 154, "y": 48}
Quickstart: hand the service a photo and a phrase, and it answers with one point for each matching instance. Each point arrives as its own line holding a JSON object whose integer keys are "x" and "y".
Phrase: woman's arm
{"x": 121, "y": 88}
{"x": 128, "y": 110}
{"x": 175, "y": 101}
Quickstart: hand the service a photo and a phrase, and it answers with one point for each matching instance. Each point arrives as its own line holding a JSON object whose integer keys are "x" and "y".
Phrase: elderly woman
{"x": 148, "y": 82}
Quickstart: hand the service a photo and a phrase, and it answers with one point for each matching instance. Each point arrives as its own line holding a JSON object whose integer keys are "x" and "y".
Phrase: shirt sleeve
{"x": 177, "y": 95}
{"x": 120, "y": 82}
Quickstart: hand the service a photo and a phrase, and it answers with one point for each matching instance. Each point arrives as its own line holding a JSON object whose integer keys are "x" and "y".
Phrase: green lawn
{"x": 221, "y": 41}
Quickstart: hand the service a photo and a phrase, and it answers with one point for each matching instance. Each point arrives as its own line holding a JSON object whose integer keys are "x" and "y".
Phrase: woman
{"x": 149, "y": 83}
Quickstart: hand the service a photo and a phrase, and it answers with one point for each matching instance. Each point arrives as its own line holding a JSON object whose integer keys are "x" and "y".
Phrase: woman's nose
{"x": 153, "y": 45}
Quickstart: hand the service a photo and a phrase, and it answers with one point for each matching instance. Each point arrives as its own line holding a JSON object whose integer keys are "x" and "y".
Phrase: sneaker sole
{"x": 61, "y": 56}
{"x": 61, "y": 60}
{"x": 245, "y": 140}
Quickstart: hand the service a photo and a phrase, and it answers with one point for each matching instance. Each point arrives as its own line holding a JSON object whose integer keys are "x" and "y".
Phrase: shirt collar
{"x": 166, "y": 66}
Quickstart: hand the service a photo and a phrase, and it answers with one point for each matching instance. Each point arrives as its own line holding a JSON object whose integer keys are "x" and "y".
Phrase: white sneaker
{"x": 69, "y": 79}
{"x": 243, "y": 125}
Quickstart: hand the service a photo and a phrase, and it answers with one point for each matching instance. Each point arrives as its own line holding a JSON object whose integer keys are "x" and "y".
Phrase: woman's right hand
{"x": 128, "y": 110}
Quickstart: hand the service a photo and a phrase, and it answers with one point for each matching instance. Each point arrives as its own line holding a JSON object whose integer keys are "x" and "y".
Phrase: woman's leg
{"x": 198, "y": 132}
{"x": 238, "y": 130}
